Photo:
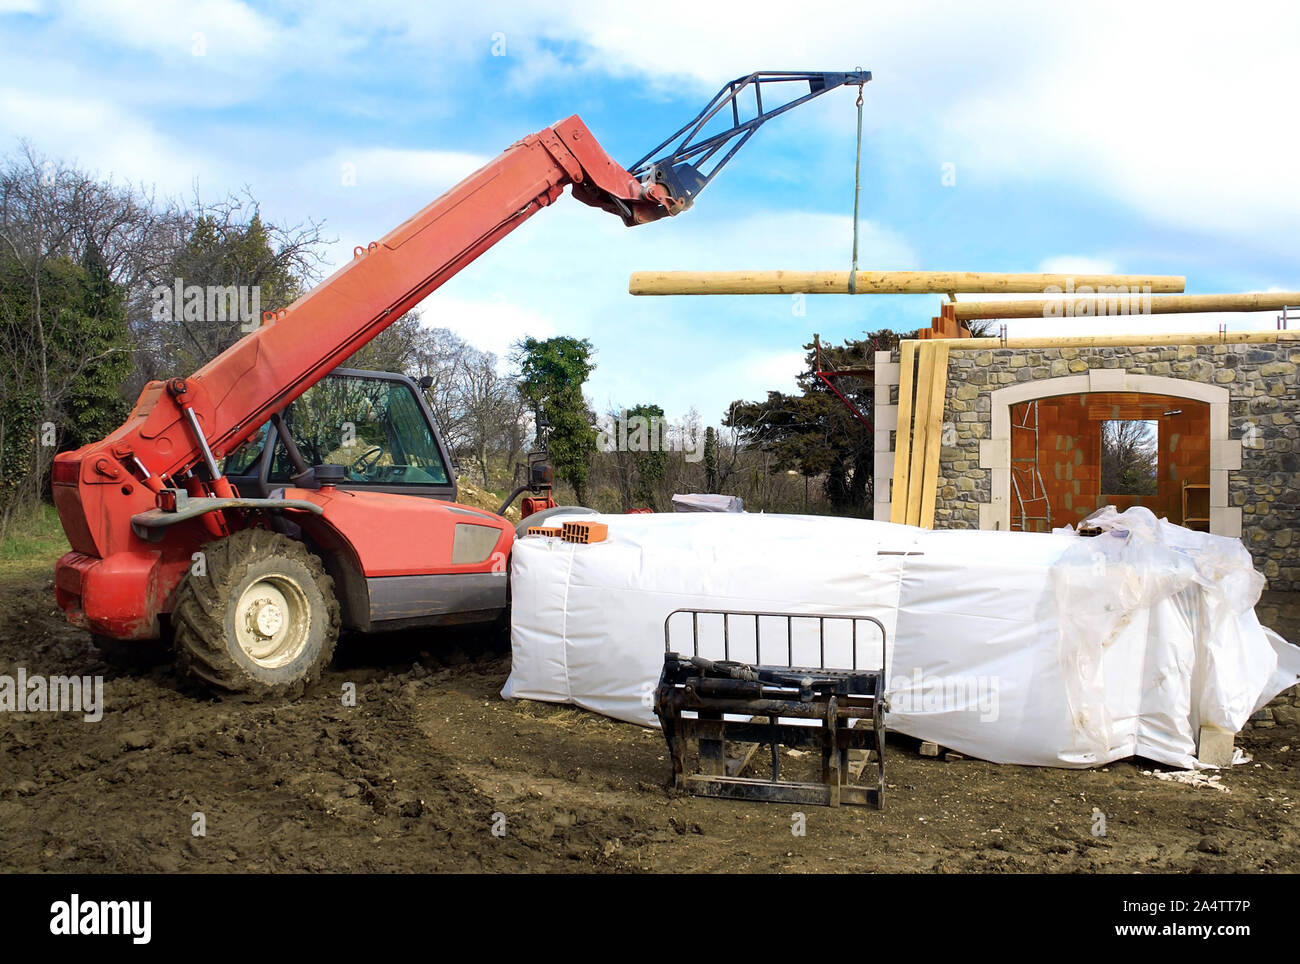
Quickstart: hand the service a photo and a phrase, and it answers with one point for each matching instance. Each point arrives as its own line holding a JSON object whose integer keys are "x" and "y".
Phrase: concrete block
{"x": 884, "y": 473}
{"x": 1226, "y": 454}
{"x": 1215, "y": 746}
{"x": 1107, "y": 380}
{"x": 1219, "y": 488}
{"x": 1218, "y": 420}
{"x": 1225, "y": 521}
{"x": 886, "y": 420}
{"x": 995, "y": 453}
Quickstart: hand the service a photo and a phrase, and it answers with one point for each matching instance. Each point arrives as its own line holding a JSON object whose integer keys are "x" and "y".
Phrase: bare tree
{"x": 1129, "y": 457}
{"x": 216, "y": 245}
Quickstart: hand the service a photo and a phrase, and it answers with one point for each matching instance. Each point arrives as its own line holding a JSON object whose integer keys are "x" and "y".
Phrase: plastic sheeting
{"x": 704, "y": 502}
{"x": 1046, "y": 649}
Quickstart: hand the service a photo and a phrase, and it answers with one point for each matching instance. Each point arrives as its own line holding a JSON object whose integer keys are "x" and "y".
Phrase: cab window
{"x": 374, "y": 427}
{"x": 243, "y": 459}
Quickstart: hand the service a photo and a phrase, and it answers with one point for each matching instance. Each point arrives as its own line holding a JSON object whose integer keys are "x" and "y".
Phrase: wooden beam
{"x": 1094, "y": 307}
{"x": 903, "y": 435}
{"x": 924, "y": 397}
{"x": 1127, "y": 341}
{"x": 934, "y": 432}
{"x": 883, "y": 282}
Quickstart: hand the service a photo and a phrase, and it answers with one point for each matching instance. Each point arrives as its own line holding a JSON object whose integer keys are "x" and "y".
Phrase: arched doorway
{"x": 1046, "y": 450}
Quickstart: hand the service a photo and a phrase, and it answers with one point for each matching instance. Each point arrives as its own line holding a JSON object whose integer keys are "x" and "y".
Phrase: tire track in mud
{"x": 410, "y": 778}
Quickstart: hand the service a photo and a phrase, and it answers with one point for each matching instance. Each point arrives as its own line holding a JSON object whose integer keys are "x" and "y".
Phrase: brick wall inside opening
{"x": 1068, "y": 478}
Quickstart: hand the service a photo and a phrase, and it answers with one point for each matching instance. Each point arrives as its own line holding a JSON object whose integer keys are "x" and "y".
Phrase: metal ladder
{"x": 1037, "y": 491}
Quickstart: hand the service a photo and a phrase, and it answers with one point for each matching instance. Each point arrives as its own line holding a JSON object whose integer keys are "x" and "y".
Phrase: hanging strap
{"x": 857, "y": 190}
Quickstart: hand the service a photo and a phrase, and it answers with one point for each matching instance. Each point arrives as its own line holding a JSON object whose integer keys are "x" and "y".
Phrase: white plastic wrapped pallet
{"x": 1046, "y": 649}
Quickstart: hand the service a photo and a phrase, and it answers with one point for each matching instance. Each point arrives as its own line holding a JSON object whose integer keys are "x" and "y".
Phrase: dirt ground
{"x": 431, "y": 760}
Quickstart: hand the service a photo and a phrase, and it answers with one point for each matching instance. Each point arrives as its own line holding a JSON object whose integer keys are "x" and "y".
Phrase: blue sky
{"x": 1145, "y": 137}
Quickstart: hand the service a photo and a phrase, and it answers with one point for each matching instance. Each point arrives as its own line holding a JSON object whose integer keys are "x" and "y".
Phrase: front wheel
{"x": 256, "y": 616}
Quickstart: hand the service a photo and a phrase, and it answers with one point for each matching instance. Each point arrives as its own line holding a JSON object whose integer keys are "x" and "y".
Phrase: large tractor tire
{"x": 259, "y": 619}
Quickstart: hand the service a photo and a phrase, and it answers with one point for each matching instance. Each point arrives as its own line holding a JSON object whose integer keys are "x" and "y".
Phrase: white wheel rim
{"x": 272, "y": 620}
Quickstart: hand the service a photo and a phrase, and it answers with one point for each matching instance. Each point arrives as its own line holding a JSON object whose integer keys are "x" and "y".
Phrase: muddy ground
{"x": 416, "y": 776}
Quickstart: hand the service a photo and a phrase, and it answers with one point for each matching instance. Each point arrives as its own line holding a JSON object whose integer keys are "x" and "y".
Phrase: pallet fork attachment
{"x": 837, "y": 711}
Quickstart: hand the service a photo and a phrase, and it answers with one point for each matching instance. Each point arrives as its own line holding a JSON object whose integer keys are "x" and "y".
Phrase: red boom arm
{"x": 100, "y": 486}
{"x": 115, "y": 582}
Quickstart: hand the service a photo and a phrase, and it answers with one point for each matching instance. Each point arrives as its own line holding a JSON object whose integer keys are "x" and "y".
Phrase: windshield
{"x": 374, "y": 427}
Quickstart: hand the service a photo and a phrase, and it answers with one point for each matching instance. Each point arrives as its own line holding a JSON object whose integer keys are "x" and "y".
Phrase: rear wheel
{"x": 258, "y": 618}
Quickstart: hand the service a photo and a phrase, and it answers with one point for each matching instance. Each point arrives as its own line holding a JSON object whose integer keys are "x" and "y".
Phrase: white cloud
{"x": 566, "y": 272}
{"x": 376, "y": 183}
{"x": 754, "y": 374}
{"x": 1077, "y": 264}
{"x": 106, "y": 140}
{"x": 1155, "y": 105}
{"x": 1157, "y": 108}
{"x": 493, "y": 325}
{"x": 226, "y": 32}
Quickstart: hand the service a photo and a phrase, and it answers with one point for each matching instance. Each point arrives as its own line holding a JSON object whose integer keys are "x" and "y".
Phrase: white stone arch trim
{"x": 1225, "y": 453}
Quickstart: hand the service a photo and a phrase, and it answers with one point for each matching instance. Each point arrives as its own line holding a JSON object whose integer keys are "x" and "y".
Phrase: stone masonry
{"x": 1254, "y": 401}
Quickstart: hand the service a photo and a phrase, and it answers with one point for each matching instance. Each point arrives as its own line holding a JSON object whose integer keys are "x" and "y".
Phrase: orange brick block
{"x": 553, "y": 531}
{"x": 584, "y": 532}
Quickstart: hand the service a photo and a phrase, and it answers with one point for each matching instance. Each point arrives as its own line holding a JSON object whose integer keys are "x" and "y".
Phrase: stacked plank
{"x": 920, "y": 435}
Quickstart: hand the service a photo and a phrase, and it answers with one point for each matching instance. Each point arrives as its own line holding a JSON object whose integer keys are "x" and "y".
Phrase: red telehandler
{"x": 253, "y": 509}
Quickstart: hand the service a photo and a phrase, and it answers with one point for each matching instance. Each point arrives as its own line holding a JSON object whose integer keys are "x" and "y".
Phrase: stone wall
{"x": 1254, "y": 402}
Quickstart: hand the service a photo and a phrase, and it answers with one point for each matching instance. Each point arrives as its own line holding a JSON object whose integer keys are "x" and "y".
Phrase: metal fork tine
{"x": 706, "y": 706}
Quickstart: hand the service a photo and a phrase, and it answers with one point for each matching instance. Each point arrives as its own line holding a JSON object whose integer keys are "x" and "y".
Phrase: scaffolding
{"x": 1028, "y": 467}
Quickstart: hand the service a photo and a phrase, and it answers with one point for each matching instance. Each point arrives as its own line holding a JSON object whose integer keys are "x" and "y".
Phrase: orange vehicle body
{"x": 116, "y": 583}
{"x": 385, "y": 552}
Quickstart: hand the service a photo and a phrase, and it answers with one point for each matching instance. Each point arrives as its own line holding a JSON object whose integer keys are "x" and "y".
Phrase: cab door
{"x": 376, "y": 425}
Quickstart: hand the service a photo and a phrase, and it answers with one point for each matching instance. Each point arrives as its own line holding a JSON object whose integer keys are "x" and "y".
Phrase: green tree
{"x": 96, "y": 332}
{"x": 814, "y": 432}
{"x": 1130, "y": 459}
{"x": 646, "y": 457}
{"x": 222, "y": 250}
{"x": 63, "y": 332}
{"x": 710, "y": 459}
{"x": 551, "y": 375}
